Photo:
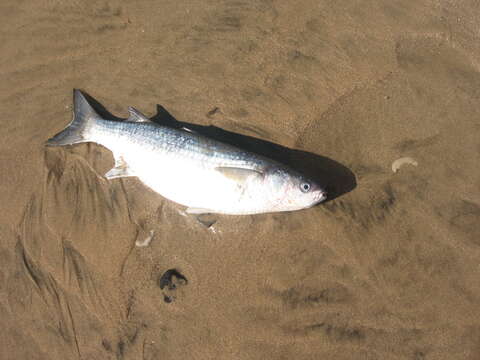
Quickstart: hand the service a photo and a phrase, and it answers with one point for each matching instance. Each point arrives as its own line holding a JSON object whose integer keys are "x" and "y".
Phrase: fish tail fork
{"x": 84, "y": 118}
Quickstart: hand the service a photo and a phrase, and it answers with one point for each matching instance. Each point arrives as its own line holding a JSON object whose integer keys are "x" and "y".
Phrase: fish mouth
{"x": 320, "y": 196}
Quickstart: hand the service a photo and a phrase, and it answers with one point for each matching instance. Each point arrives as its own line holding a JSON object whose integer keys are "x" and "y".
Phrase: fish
{"x": 190, "y": 169}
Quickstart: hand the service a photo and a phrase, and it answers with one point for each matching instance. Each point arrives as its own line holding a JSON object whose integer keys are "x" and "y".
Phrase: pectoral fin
{"x": 120, "y": 169}
{"x": 240, "y": 175}
{"x": 114, "y": 173}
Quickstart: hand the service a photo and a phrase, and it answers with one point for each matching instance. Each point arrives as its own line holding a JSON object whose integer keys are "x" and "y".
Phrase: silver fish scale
{"x": 181, "y": 143}
{"x": 182, "y": 166}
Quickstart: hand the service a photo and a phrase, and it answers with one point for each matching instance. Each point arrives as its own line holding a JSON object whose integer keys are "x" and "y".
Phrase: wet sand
{"x": 388, "y": 269}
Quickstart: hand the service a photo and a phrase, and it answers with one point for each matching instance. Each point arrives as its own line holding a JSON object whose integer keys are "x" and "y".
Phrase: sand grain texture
{"x": 389, "y": 270}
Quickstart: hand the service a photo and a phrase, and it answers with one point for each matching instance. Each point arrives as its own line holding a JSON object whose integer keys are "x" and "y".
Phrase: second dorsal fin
{"x": 136, "y": 116}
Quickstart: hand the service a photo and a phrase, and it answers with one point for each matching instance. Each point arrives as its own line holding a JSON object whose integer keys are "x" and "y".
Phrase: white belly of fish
{"x": 187, "y": 181}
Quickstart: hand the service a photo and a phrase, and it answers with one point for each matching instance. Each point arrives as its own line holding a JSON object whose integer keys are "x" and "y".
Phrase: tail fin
{"x": 84, "y": 118}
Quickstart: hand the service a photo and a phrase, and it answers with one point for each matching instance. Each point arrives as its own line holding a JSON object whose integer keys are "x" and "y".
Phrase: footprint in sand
{"x": 170, "y": 282}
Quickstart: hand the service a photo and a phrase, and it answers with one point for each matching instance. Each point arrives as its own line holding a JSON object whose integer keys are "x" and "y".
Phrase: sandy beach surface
{"x": 389, "y": 268}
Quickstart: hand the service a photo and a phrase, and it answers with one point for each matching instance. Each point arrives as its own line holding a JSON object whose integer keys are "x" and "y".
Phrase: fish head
{"x": 290, "y": 190}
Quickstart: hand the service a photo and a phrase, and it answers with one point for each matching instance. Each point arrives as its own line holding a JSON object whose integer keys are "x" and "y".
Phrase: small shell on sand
{"x": 145, "y": 242}
{"x": 404, "y": 160}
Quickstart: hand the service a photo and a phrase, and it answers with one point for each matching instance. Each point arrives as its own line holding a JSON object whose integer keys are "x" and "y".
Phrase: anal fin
{"x": 198, "y": 211}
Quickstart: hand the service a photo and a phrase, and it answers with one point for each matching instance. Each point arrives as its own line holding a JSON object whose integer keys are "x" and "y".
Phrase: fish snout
{"x": 322, "y": 195}
{"x": 319, "y": 196}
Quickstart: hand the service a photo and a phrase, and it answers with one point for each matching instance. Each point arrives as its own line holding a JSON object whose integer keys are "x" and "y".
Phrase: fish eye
{"x": 305, "y": 187}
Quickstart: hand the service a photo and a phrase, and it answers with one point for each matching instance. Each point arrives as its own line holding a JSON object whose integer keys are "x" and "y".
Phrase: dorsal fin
{"x": 136, "y": 116}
